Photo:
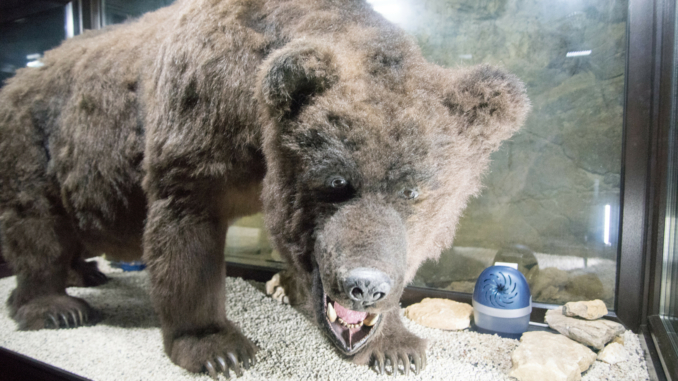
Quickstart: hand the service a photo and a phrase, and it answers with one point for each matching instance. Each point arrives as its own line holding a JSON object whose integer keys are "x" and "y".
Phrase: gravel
{"x": 126, "y": 344}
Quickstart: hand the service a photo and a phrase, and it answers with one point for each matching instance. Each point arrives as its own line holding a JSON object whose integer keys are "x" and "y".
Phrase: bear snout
{"x": 366, "y": 286}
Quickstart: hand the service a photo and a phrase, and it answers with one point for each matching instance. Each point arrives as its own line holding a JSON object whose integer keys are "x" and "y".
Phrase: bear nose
{"x": 367, "y": 285}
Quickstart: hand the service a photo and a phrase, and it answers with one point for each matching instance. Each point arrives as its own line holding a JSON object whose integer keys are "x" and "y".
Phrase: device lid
{"x": 502, "y": 287}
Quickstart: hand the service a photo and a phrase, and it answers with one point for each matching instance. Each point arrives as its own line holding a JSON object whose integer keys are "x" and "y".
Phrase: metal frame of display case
{"x": 647, "y": 108}
{"x": 663, "y": 87}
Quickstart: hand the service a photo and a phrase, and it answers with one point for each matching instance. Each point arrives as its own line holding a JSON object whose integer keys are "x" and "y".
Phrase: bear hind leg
{"x": 39, "y": 249}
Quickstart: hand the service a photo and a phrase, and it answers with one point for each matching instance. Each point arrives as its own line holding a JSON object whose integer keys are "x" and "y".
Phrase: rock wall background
{"x": 549, "y": 185}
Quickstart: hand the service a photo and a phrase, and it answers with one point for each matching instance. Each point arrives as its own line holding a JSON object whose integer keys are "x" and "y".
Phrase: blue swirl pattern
{"x": 500, "y": 289}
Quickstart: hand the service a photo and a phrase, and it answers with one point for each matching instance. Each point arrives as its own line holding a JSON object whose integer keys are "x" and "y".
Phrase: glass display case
{"x": 583, "y": 199}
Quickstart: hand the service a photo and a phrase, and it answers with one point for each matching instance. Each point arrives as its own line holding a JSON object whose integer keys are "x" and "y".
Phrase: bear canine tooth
{"x": 371, "y": 320}
{"x": 331, "y": 313}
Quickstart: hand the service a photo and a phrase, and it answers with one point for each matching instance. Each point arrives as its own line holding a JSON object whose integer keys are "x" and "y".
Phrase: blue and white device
{"x": 502, "y": 302}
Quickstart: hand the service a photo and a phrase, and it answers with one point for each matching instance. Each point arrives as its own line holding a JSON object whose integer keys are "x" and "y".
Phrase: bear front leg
{"x": 394, "y": 344}
{"x": 39, "y": 247}
{"x": 184, "y": 251}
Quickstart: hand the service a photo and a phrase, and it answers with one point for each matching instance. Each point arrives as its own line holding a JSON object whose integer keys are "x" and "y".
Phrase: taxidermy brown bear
{"x": 149, "y": 138}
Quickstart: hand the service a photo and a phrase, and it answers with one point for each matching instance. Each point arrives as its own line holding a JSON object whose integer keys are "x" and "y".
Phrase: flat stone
{"x": 440, "y": 313}
{"x": 546, "y": 356}
{"x": 613, "y": 353}
{"x": 595, "y": 333}
{"x": 590, "y": 310}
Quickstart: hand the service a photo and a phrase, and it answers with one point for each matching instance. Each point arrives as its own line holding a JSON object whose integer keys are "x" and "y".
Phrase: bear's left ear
{"x": 491, "y": 103}
{"x": 293, "y": 75}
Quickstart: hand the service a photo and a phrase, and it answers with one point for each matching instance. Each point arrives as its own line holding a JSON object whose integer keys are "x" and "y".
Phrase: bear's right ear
{"x": 293, "y": 75}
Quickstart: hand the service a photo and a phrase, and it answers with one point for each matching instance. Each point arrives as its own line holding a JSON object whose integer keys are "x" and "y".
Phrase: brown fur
{"x": 153, "y": 136}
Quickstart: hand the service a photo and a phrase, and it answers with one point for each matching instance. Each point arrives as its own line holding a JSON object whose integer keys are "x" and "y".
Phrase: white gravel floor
{"x": 126, "y": 345}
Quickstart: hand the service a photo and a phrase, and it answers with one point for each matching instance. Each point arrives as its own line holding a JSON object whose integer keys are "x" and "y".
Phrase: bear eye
{"x": 337, "y": 189}
{"x": 409, "y": 193}
{"x": 338, "y": 182}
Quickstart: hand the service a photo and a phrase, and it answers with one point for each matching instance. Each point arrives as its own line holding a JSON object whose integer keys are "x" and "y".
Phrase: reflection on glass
{"x": 554, "y": 189}
{"x": 247, "y": 242}
{"x": 118, "y": 11}
{"x": 24, "y": 40}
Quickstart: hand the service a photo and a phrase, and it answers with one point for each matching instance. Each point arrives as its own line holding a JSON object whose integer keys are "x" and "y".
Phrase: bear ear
{"x": 293, "y": 75}
{"x": 491, "y": 103}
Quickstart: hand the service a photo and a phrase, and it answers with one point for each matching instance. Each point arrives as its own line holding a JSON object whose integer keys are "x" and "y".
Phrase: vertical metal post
{"x": 636, "y": 200}
{"x": 92, "y": 11}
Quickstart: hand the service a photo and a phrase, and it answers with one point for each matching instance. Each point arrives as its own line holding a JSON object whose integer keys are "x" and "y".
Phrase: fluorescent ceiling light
{"x": 578, "y": 53}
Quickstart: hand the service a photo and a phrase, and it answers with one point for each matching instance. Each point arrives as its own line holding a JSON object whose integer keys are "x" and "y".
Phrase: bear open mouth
{"x": 350, "y": 329}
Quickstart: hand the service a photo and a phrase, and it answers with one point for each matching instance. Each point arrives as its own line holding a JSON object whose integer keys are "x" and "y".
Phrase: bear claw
{"x": 220, "y": 364}
{"x": 54, "y": 321}
{"x": 68, "y": 319}
{"x": 210, "y": 369}
{"x": 234, "y": 364}
{"x": 395, "y": 359}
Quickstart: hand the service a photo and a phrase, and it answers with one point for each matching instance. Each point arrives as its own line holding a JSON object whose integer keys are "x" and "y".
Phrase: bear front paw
{"x": 220, "y": 352}
{"x": 396, "y": 351}
{"x": 395, "y": 358}
{"x": 52, "y": 311}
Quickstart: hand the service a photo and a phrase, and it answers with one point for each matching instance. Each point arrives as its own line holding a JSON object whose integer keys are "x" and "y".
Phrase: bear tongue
{"x": 349, "y": 316}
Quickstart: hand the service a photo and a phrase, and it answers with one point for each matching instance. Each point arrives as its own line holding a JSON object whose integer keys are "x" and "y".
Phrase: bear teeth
{"x": 331, "y": 313}
{"x": 370, "y": 320}
{"x": 347, "y": 325}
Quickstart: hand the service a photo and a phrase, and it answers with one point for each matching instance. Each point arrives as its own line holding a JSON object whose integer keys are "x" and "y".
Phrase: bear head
{"x": 372, "y": 154}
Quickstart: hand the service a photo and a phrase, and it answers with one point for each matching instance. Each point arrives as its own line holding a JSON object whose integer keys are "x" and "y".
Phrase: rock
{"x": 440, "y": 313}
{"x": 548, "y": 278}
{"x": 587, "y": 286}
{"x": 613, "y": 353}
{"x": 523, "y": 257}
{"x": 546, "y": 356}
{"x": 590, "y": 310}
{"x": 594, "y": 333}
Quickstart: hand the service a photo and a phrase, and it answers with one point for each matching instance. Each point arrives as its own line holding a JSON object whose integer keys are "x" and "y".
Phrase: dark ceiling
{"x": 11, "y": 10}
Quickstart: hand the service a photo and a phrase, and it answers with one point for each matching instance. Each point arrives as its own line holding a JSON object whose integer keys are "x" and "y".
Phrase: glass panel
{"x": 117, "y": 11}
{"x": 25, "y": 40}
{"x": 668, "y": 309}
{"x": 551, "y": 199}
{"x": 247, "y": 242}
